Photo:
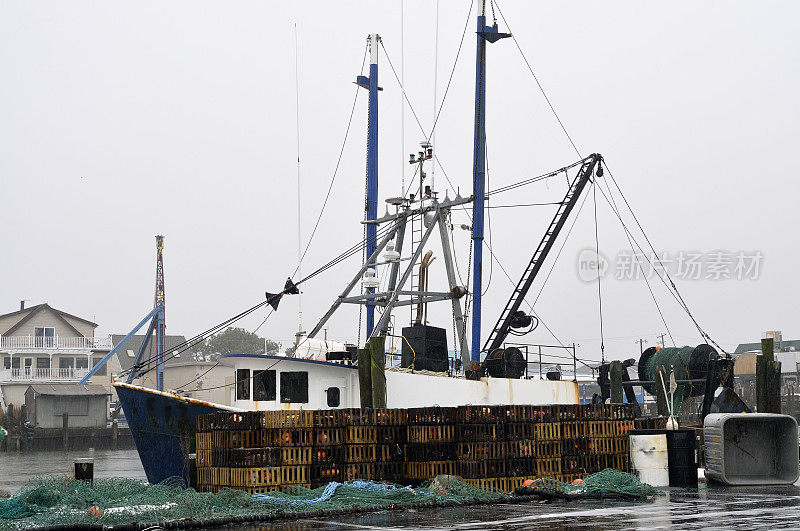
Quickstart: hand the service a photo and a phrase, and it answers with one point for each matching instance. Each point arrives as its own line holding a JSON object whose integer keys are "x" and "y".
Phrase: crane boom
{"x": 588, "y": 167}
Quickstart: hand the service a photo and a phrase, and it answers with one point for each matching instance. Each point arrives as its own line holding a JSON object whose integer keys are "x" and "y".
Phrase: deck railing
{"x": 54, "y": 343}
{"x": 34, "y": 374}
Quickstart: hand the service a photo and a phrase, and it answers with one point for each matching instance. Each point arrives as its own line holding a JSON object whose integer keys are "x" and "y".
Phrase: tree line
{"x": 234, "y": 341}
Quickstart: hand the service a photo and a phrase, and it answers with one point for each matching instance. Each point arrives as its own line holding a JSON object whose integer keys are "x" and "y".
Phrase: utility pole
{"x": 641, "y": 345}
{"x": 661, "y": 336}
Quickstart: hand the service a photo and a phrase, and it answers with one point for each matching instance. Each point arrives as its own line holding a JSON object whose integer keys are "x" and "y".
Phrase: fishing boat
{"x": 325, "y": 375}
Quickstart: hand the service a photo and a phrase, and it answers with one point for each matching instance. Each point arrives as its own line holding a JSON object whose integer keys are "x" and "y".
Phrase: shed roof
{"x": 786, "y": 344}
{"x": 133, "y": 345}
{"x": 69, "y": 389}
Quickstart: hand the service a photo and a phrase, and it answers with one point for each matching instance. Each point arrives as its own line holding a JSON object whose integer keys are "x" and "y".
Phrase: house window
{"x": 44, "y": 336}
{"x": 66, "y": 363}
{"x": 264, "y": 385}
{"x": 242, "y": 384}
{"x": 294, "y": 387}
{"x": 334, "y": 396}
{"x": 42, "y": 363}
{"x": 81, "y": 363}
{"x": 9, "y": 364}
{"x": 102, "y": 370}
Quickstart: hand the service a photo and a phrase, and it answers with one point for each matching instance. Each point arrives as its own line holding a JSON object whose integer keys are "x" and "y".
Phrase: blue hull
{"x": 163, "y": 429}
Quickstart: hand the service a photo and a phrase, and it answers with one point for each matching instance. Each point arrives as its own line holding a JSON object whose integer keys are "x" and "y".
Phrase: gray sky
{"x": 122, "y": 121}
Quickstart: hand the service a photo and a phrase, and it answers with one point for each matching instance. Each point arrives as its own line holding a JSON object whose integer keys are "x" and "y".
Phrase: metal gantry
{"x": 157, "y": 318}
{"x": 390, "y": 298}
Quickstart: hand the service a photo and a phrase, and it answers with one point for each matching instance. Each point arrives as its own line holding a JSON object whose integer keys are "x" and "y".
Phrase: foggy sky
{"x": 122, "y": 121}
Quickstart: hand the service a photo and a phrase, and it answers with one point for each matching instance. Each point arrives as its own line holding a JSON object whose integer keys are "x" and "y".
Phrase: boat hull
{"x": 163, "y": 428}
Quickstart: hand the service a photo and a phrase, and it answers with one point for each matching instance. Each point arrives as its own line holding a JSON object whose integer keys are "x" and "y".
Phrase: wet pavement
{"x": 709, "y": 507}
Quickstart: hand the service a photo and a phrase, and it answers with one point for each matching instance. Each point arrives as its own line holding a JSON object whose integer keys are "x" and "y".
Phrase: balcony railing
{"x": 32, "y": 374}
{"x": 53, "y": 343}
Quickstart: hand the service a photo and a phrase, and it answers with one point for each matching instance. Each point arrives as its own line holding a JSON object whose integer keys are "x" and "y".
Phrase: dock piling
{"x": 768, "y": 379}
{"x": 615, "y": 375}
{"x": 65, "y": 428}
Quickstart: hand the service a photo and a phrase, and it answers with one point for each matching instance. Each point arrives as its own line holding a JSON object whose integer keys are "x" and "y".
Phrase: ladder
{"x": 500, "y": 331}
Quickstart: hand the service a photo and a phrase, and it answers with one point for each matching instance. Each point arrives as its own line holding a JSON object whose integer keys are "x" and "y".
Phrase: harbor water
{"x": 18, "y": 467}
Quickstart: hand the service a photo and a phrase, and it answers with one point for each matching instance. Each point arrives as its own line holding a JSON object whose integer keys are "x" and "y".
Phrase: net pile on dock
{"x": 607, "y": 483}
{"x": 492, "y": 447}
{"x": 57, "y": 500}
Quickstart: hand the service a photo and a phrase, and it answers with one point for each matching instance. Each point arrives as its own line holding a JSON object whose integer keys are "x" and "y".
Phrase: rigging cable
{"x": 703, "y": 334}
{"x": 453, "y": 70}
{"x": 561, "y": 249}
{"x": 185, "y": 345}
{"x": 599, "y": 290}
{"x": 639, "y": 264}
{"x": 336, "y": 168}
{"x": 216, "y": 364}
{"x": 536, "y": 79}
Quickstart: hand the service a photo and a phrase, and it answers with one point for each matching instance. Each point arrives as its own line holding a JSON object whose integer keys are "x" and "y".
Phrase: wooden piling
{"x": 65, "y": 428}
{"x": 768, "y": 379}
{"x": 615, "y": 375}
{"x": 377, "y": 347}
{"x": 365, "y": 377}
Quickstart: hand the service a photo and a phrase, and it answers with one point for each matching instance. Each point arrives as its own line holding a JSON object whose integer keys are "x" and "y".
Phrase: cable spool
{"x": 505, "y": 363}
{"x": 688, "y": 363}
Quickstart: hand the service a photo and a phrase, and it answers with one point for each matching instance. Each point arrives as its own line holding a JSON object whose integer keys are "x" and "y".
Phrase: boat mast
{"x": 160, "y": 314}
{"x": 371, "y": 84}
{"x": 484, "y": 34}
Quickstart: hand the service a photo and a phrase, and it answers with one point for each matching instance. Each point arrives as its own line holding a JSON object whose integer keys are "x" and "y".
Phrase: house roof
{"x": 750, "y": 347}
{"x": 135, "y": 343}
{"x": 69, "y": 389}
{"x": 34, "y": 310}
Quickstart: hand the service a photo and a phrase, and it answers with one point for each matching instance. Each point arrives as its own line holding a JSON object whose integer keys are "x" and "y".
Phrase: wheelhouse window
{"x": 264, "y": 385}
{"x": 334, "y": 396}
{"x": 44, "y": 336}
{"x": 242, "y": 384}
{"x": 294, "y": 387}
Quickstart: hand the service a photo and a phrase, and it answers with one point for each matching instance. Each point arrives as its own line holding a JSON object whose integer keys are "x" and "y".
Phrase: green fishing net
{"x": 59, "y": 500}
{"x": 605, "y": 483}
{"x": 53, "y": 500}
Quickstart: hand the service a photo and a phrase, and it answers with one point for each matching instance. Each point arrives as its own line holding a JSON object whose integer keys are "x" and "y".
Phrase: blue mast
{"x": 371, "y": 83}
{"x": 484, "y": 34}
